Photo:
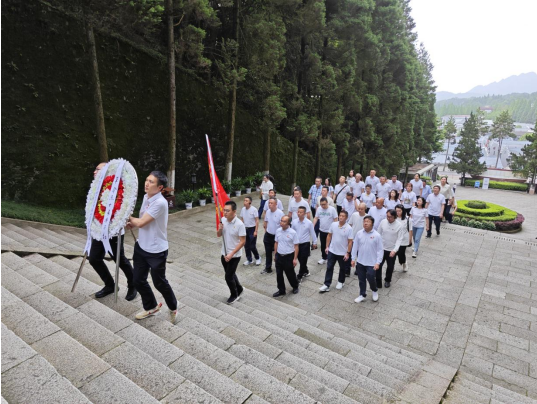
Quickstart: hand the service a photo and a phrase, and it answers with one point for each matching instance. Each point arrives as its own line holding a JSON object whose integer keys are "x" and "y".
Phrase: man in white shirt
{"x": 372, "y": 180}
{"x": 296, "y": 202}
{"x": 378, "y": 212}
{"x": 367, "y": 254}
{"x": 383, "y": 188}
{"x": 286, "y": 256}
{"x": 358, "y": 186}
{"x": 234, "y": 233}
{"x": 313, "y": 195}
{"x": 250, "y": 219}
{"x": 357, "y": 219}
{"x": 151, "y": 249}
{"x": 417, "y": 185}
{"x": 391, "y": 232}
{"x": 340, "y": 192}
{"x": 304, "y": 229}
{"x": 396, "y": 184}
{"x": 324, "y": 217}
{"x": 264, "y": 188}
{"x": 270, "y": 224}
{"x": 435, "y": 208}
{"x": 279, "y": 204}
{"x": 324, "y": 194}
{"x": 339, "y": 244}
{"x": 349, "y": 205}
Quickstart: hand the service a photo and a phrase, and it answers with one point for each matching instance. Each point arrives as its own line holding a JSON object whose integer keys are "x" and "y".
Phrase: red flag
{"x": 219, "y": 194}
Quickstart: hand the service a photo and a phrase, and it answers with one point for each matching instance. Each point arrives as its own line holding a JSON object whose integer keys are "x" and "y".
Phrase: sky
{"x": 473, "y": 42}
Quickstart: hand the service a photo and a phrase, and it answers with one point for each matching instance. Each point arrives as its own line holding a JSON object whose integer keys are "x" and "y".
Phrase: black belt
{"x": 285, "y": 255}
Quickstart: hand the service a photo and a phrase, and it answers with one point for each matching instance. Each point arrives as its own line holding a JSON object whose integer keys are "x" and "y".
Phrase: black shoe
{"x": 278, "y": 293}
{"x": 266, "y": 271}
{"x": 239, "y": 293}
{"x": 295, "y": 291}
{"x": 386, "y": 284}
{"x": 306, "y": 274}
{"x": 427, "y": 236}
{"x": 104, "y": 292}
{"x": 437, "y": 233}
{"x": 131, "y": 294}
{"x": 299, "y": 279}
{"x": 233, "y": 299}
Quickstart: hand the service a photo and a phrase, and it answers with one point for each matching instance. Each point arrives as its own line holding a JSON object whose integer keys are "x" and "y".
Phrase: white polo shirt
{"x": 358, "y": 188}
{"x": 397, "y": 185}
{"x": 273, "y": 220}
{"x": 340, "y": 192}
{"x": 232, "y": 232}
{"x": 417, "y": 186}
{"x": 419, "y": 215}
{"x": 286, "y": 240}
{"x": 378, "y": 215}
{"x": 153, "y": 237}
{"x": 435, "y": 204}
{"x": 367, "y": 248}
{"x": 305, "y": 231}
{"x": 328, "y": 199}
{"x": 265, "y": 188}
{"x": 326, "y": 218}
{"x": 279, "y": 205}
{"x": 369, "y": 200}
{"x": 249, "y": 216}
{"x": 349, "y": 207}
{"x": 357, "y": 222}
{"x": 373, "y": 182}
{"x": 294, "y": 205}
{"x": 339, "y": 243}
{"x": 408, "y": 199}
{"x": 383, "y": 191}
{"x": 392, "y": 234}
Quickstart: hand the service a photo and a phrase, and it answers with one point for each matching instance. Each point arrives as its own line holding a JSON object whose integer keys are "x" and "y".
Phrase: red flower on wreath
{"x": 100, "y": 210}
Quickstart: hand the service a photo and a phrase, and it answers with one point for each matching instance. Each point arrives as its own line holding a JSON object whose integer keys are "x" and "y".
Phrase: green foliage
{"x": 493, "y": 212}
{"x": 488, "y": 225}
{"x": 258, "y": 178}
{"x": 227, "y": 186}
{"x": 502, "y": 128}
{"x": 27, "y": 211}
{"x": 188, "y": 195}
{"x": 467, "y": 153}
{"x": 249, "y": 182}
{"x": 457, "y": 220}
{"x": 476, "y": 204}
{"x": 510, "y": 186}
{"x": 204, "y": 192}
{"x": 525, "y": 164}
{"x": 237, "y": 184}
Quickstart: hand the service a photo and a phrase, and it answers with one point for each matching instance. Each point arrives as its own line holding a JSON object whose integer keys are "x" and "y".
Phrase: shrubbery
{"x": 510, "y": 186}
{"x": 477, "y": 205}
{"x": 492, "y": 217}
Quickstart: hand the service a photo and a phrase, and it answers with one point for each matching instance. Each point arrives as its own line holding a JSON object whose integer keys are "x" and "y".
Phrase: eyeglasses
{"x": 227, "y": 210}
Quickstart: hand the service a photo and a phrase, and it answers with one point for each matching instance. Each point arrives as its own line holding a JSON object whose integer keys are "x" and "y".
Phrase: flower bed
{"x": 510, "y": 186}
{"x": 487, "y": 216}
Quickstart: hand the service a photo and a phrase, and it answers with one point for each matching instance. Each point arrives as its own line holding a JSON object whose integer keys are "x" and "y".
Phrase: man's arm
{"x": 295, "y": 258}
{"x": 256, "y": 225}
{"x": 442, "y": 209}
{"x": 236, "y": 249}
{"x": 397, "y": 242}
{"x": 354, "y": 251}
{"x": 328, "y": 240}
{"x": 313, "y": 235}
{"x": 349, "y": 250}
{"x": 141, "y": 222}
{"x": 380, "y": 253}
{"x": 275, "y": 247}
{"x": 265, "y": 223}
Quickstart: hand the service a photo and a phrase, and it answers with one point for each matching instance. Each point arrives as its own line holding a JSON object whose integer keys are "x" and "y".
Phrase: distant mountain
{"x": 523, "y": 83}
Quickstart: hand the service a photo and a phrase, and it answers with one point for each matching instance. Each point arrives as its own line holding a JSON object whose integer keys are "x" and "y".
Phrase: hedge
{"x": 510, "y": 186}
{"x": 492, "y": 212}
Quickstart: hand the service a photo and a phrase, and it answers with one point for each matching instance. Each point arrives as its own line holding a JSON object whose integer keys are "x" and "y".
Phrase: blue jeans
{"x": 416, "y": 235}
{"x": 250, "y": 245}
{"x": 366, "y": 273}
{"x": 332, "y": 259}
{"x": 260, "y": 211}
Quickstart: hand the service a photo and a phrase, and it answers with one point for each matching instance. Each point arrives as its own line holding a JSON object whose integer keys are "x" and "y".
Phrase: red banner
{"x": 219, "y": 193}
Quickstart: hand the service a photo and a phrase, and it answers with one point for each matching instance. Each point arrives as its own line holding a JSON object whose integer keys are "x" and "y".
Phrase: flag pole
{"x": 223, "y": 238}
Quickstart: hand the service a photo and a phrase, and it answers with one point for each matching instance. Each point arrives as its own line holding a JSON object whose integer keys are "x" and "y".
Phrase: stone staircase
{"x": 59, "y": 346}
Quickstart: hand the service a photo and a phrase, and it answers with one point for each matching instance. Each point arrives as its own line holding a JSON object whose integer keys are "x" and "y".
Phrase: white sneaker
{"x": 146, "y": 313}
{"x": 405, "y": 267}
{"x": 246, "y": 263}
{"x": 339, "y": 286}
{"x": 414, "y": 255}
{"x": 173, "y": 316}
{"x": 258, "y": 261}
{"x": 359, "y": 299}
{"x": 324, "y": 289}
{"x": 321, "y": 262}
{"x": 375, "y": 296}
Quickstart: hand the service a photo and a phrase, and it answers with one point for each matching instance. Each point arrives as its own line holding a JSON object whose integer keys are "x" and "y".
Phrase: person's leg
{"x": 370, "y": 274}
{"x": 96, "y": 260}
{"x": 323, "y": 236}
{"x": 141, "y": 271}
{"x": 338, "y": 209}
{"x": 417, "y": 232}
{"x": 342, "y": 269}
{"x": 447, "y": 208}
{"x": 268, "y": 240}
{"x": 157, "y": 262}
{"x": 247, "y": 244}
{"x": 253, "y": 245}
{"x": 361, "y": 272}
{"x": 279, "y": 273}
{"x": 429, "y": 232}
{"x": 317, "y": 228}
{"x": 303, "y": 254}
{"x": 378, "y": 273}
{"x": 437, "y": 222}
{"x": 330, "y": 269}
{"x": 261, "y": 206}
{"x": 390, "y": 265}
{"x": 401, "y": 254}
{"x": 124, "y": 263}
{"x": 290, "y": 271}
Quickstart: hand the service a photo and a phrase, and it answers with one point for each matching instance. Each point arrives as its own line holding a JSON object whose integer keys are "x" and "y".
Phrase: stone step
{"x": 25, "y": 241}
{"x": 71, "y": 238}
{"x": 30, "y": 235}
{"x": 9, "y": 242}
{"x": 53, "y": 237}
{"x": 492, "y": 391}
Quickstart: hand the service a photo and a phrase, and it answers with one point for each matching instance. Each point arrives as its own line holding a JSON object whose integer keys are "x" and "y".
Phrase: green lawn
{"x": 26, "y": 211}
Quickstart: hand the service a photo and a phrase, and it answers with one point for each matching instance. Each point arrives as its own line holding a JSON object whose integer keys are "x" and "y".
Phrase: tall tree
{"x": 449, "y": 130}
{"x": 467, "y": 154}
{"x": 171, "y": 93}
{"x": 502, "y": 128}
{"x": 525, "y": 163}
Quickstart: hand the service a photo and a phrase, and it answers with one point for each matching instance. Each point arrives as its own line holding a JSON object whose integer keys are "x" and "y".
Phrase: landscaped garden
{"x": 487, "y": 216}
{"x": 509, "y": 186}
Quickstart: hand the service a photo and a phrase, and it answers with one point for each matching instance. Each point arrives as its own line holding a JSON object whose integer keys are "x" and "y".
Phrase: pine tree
{"x": 525, "y": 164}
{"x": 468, "y": 152}
{"x": 502, "y": 128}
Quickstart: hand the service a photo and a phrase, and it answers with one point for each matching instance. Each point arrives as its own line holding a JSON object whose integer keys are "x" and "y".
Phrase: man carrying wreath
{"x": 96, "y": 260}
{"x": 151, "y": 249}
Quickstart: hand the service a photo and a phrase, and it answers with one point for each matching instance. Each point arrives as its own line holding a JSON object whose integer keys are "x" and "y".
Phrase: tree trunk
{"x": 233, "y": 94}
{"x": 447, "y": 151}
{"x": 319, "y": 150}
{"x": 97, "y": 99}
{"x": 338, "y": 169}
{"x": 172, "y": 95}
{"x": 295, "y": 161}
{"x": 498, "y": 154}
{"x": 266, "y": 156}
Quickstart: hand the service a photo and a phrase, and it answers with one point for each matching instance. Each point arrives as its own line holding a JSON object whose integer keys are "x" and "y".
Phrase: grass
{"x": 495, "y": 213}
{"x": 26, "y": 211}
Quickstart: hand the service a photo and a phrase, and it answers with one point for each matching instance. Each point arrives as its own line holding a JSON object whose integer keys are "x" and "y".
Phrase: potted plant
{"x": 188, "y": 196}
{"x": 249, "y": 182}
{"x": 203, "y": 194}
{"x": 258, "y": 179}
{"x": 227, "y": 187}
{"x": 236, "y": 185}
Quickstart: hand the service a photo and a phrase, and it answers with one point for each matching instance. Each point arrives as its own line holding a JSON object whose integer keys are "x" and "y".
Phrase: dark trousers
{"x": 284, "y": 263}
{"x": 401, "y": 254}
{"x": 448, "y": 216}
{"x": 323, "y": 237}
{"x": 303, "y": 255}
{"x": 366, "y": 273}
{"x": 313, "y": 210}
{"x": 261, "y": 206}
{"x": 268, "y": 240}
{"x": 96, "y": 260}
{"x": 156, "y": 263}
{"x": 338, "y": 208}
{"x": 317, "y": 228}
{"x": 332, "y": 259}
{"x": 436, "y": 220}
{"x": 390, "y": 265}
{"x": 250, "y": 245}
{"x": 367, "y": 210}
{"x": 230, "y": 268}
{"x": 407, "y": 210}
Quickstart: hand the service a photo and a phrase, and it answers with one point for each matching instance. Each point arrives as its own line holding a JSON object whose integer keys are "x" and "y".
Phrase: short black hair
{"x": 161, "y": 178}
{"x": 392, "y": 213}
{"x": 368, "y": 186}
{"x": 400, "y": 206}
{"x": 272, "y": 190}
{"x": 325, "y": 187}
{"x": 323, "y": 199}
{"x": 368, "y": 217}
{"x": 419, "y": 176}
{"x": 302, "y": 208}
{"x": 318, "y": 178}
{"x": 350, "y": 193}
{"x": 248, "y": 197}
{"x": 289, "y": 218}
{"x": 232, "y": 204}
{"x": 345, "y": 212}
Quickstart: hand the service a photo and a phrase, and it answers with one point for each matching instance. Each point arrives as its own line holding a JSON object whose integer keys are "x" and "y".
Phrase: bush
{"x": 236, "y": 184}
{"x": 457, "y": 220}
{"x": 258, "y": 178}
{"x": 205, "y": 192}
{"x": 227, "y": 186}
{"x": 510, "y": 186}
{"x": 188, "y": 195}
{"x": 511, "y": 225}
{"x": 492, "y": 212}
{"x": 464, "y": 222}
{"x": 488, "y": 225}
{"x": 476, "y": 204}
{"x": 249, "y": 182}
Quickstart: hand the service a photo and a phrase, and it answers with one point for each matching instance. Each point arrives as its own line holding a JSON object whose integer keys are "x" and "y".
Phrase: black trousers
{"x": 230, "y": 268}
{"x": 366, "y": 273}
{"x": 303, "y": 255}
{"x": 156, "y": 263}
{"x": 268, "y": 240}
{"x": 436, "y": 220}
{"x": 338, "y": 208}
{"x": 401, "y": 254}
{"x": 250, "y": 245}
{"x": 390, "y": 265}
{"x": 284, "y": 263}
{"x": 448, "y": 216}
{"x": 96, "y": 260}
{"x": 332, "y": 259}
{"x": 323, "y": 237}
{"x": 313, "y": 210}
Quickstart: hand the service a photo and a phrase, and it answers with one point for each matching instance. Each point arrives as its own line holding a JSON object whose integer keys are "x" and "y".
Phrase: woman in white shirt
{"x": 393, "y": 200}
{"x": 264, "y": 189}
{"x": 420, "y": 222}
{"x": 368, "y": 198}
{"x": 408, "y": 198}
{"x": 330, "y": 188}
{"x": 407, "y": 235}
{"x": 340, "y": 192}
